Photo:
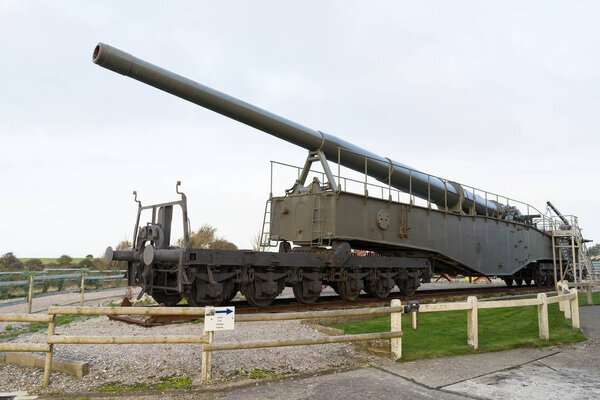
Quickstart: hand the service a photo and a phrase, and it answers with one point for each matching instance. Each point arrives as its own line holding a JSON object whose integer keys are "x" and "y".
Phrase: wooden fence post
{"x": 82, "y": 287}
{"x": 567, "y": 303}
{"x": 48, "y": 363}
{"x": 543, "y": 317}
{"x": 30, "y": 295}
{"x": 207, "y": 358}
{"x": 575, "y": 310}
{"x": 396, "y": 326}
{"x": 559, "y": 292}
{"x": 588, "y": 290}
{"x": 472, "y": 327}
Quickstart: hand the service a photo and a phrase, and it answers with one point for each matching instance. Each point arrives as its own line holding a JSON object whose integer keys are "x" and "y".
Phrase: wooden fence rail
{"x": 588, "y": 286}
{"x": 53, "y": 339}
{"x": 30, "y": 347}
{"x": 395, "y": 333}
{"x": 566, "y": 297}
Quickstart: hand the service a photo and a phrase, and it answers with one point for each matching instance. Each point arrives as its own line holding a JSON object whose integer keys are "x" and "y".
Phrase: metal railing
{"x": 82, "y": 278}
{"x": 409, "y": 197}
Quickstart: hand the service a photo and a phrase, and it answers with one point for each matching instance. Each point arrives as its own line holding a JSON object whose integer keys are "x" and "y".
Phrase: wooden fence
{"x": 395, "y": 333}
{"x": 588, "y": 286}
{"x": 31, "y": 347}
{"x": 566, "y": 297}
{"x": 58, "y": 310}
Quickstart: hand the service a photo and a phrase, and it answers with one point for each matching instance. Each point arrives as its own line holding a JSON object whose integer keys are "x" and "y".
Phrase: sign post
{"x": 215, "y": 319}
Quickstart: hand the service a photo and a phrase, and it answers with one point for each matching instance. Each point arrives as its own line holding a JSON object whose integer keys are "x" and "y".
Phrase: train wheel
{"x": 307, "y": 291}
{"x": 508, "y": 281}
{"x": 349, "y": 289}
{"x": 380, "y": 288}
{"x": 257, "y": 295}
{"x": 407, "y": 286}
{"x": 519, "y": 282}
{"x": 169, "y": 299}
{"x": 202, "y": 293}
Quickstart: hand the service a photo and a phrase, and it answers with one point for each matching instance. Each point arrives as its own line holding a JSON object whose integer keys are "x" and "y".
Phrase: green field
{"x": 443, "y": 334}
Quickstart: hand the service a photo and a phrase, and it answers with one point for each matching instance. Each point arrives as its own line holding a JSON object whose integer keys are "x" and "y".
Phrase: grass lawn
{"x": 583, "y": 298}
{"x": 10, "y": 332}
{"x": 443, "y": 334}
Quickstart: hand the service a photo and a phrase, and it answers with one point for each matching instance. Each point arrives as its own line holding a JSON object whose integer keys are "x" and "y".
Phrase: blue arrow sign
{"x": 227, "y": 312}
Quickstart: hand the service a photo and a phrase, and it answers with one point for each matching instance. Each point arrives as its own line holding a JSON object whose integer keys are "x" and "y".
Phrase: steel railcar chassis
{"x": 212, "y": 276}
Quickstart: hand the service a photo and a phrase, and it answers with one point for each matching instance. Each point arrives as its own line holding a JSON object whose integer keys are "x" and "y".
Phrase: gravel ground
{"x": 129, "y": 364}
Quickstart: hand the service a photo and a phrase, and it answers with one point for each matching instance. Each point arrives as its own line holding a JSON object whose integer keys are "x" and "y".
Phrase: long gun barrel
{"x": 398, "y": 175}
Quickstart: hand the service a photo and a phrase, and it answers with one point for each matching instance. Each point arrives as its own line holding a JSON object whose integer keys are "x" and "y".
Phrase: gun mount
{"x": 466, "y": 233}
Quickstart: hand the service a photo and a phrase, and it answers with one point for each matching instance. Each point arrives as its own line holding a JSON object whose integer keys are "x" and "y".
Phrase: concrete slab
{"x": 570, "y": 374}
{"x": 440, "y": 372}
{"x": 16, "y": 396}
{"x": 590, "y": 321}
{"x": 370, "y": 383}
{"x": 70, "y": 367}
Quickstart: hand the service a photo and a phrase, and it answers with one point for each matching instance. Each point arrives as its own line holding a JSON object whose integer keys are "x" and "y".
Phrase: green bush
{"x": 60, "y": 284}
{"x": 64, "y": 261}
{"x": 34, "y": 264}
{"x": 4, "y": 292}
{"x": 9, "y": 262}
{"x": 86, "y": 263}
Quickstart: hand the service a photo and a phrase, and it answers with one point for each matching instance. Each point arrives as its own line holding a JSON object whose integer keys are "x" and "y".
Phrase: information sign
{"x": 219, "y": 318}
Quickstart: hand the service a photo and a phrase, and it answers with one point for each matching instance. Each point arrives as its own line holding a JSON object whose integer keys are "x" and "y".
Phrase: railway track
{"x": 335, "y": 302}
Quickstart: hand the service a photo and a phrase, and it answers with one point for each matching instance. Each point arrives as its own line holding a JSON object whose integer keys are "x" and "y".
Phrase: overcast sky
{"x": 502, "y": 96}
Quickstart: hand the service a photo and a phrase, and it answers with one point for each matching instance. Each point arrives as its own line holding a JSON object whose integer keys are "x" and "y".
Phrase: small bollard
{"x": 413, "y": 309}
{"x": 396, "y": 326}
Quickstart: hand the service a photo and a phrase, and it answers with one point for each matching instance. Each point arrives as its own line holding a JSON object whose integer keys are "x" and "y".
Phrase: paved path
{"x": 590, "y": 322}
{"x": 558, "y": 372}
{"x": 41, "y": 303}
{"x": 370, "y": 383}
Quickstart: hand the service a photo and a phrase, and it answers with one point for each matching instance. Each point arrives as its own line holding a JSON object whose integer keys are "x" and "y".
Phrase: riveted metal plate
{"x": 383, "y": 219}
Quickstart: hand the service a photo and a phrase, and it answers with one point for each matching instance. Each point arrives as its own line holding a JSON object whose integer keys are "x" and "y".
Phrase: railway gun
{"x": 318, "y": 227}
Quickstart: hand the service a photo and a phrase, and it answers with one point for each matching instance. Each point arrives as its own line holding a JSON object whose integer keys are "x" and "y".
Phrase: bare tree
{"x": 206, "y": 238}
{"x": 255, "y": 241}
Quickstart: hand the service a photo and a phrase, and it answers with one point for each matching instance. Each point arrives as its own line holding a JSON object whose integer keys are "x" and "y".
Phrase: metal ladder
{"x": 585, "y": 259}
{"x": 265, "y": 233}
{"x": 568, "y": 250}
{"x": 318, "y": 220}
